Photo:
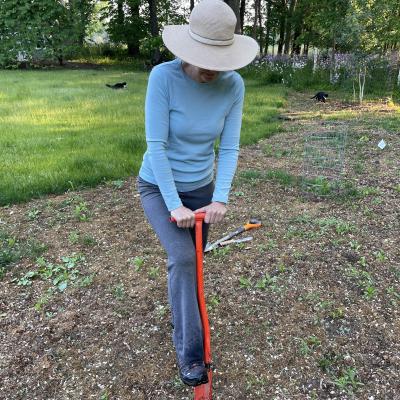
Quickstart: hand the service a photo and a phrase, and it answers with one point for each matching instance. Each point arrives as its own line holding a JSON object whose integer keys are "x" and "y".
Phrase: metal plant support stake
{"x": 323, "y": 163}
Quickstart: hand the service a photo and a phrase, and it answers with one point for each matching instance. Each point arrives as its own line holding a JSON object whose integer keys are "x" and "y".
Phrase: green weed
{"x": 220, "y": 252}
{"x": 337, "y": 313}
{"x": 267, "y": 282}
{"x": 213, "y": 302}
{"x": 119, "y": 291}
{"x": 60, "y": 274}
{"x": 73, "y": 237}
{"x": 154, "y": 272}
{"x": 118, "y": 184}
{"x": 138, "y": 263}
{"x": 33, "y": 214}
{"x": 348, "y": 381}
{"x": 81, "y": 211}
{"x": 394, "y": 295}
{"x": 244, "y": 282}
{"x": 380, "y": 255}
{"x": 309, "y": 344}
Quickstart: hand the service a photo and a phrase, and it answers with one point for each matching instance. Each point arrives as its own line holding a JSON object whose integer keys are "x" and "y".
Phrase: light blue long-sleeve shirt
{"x": 183, "y": 118}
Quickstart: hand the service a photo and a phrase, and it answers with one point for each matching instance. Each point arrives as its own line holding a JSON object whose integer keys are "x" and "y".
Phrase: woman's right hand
{"x": 184, "y": 217}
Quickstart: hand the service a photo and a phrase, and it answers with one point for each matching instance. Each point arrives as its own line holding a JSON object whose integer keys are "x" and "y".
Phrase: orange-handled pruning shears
{"x": 252, "y": 224}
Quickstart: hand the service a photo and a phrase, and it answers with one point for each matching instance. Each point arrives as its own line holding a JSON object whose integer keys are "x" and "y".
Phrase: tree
{"x": 235, "y": 5}
{"x": 49, "y": 28}
{"x": 126, "y": 24}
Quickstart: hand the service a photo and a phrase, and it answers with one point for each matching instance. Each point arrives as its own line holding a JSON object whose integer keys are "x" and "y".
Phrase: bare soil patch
{"x": 307, "y": 310}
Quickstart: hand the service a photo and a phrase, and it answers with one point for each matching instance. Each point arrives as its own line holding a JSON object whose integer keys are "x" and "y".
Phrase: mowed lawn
{"x": 64, "y": 129}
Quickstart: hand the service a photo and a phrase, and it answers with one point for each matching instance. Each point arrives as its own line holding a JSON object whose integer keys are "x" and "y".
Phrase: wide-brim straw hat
{"x": 209, "y": 41}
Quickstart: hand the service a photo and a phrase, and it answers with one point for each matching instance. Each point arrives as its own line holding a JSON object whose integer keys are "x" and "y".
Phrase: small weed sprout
{"x": 394, "y": 295}
{"x": 337, "y": 313}
{"x": 354, "y": 245}
{"x": 81, "y": 211}
{"x": 308, "y": 345}
{"x": 118, "y": 184}
{"x": 380, "y": 255}
{"x": 44, "y": 299}
{"x": 244, "y": 282}
{"x": 138, "y": 263}
{"x": 281, "y": 268}
{"x": 119, "y": 291}
{"x": 73, "y": 237}
{"x": 154, "y": 272}
{"x": 220, "y": 252}
{"x": 369, "y": 292}
{"x": 362, "y": 261}
{"x": 88, "y": 240}
{"x": 214, "y": 302}
{"x": 86, "y": 280}
{"x": 33, "y": 214}
{"x": 267, "y": 281}
{"x": 348, "y": 381}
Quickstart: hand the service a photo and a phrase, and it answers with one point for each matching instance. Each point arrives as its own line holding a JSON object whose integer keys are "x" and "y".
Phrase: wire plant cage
{"x": 323, "y": 163}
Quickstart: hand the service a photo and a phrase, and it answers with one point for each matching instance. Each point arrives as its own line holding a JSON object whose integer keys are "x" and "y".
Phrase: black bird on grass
{"x": 320, "y": 96}
{"x": 118, "y": 85}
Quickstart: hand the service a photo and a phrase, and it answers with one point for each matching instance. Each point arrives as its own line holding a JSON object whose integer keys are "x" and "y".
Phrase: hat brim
{"x": 216, "y": 58}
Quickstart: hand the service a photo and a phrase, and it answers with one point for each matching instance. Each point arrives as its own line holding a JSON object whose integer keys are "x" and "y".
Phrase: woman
{"x": 190, "y": 102}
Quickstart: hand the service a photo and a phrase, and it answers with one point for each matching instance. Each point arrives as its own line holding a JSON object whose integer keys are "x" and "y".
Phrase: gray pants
{"x": 179, "y": 243}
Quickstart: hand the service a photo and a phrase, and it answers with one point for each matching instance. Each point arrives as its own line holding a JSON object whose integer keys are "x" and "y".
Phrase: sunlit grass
{"x": 65, "y": 129}
{"x": 261, "y": 108}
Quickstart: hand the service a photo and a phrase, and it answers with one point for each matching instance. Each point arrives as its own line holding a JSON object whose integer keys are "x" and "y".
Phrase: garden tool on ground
{"x": 202, "y": 392}
{"x": 253, "y": 223}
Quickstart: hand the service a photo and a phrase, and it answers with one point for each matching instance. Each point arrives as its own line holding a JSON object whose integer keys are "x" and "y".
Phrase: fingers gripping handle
{"x": 198, "y": 217}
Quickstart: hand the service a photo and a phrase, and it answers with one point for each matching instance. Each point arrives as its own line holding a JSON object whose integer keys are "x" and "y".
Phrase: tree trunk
{"x": 306, "y": 48}
{"x": 256, "y": 12}
{"x": 260, "y": 26}
{"x": 242, "y": 13}
{"x": 281, "y": 34}
{"x": 333, "y": 61}
{"x": 273, "y": 42}
{"x": 315, "y": 59}
{"x": 235, "y": 5}
{"x": 362, "y": 72}
{"x": 120, "y": 12}
{"x": 153, "y": 17}
{"x": 296, "y": 47}
{"x": 155, "y": 58}
{"x": 133, "y": 43}
{"x": 191, "y": 5}
{"x": 268, "y": 26}
{"x": 288, "y": 30}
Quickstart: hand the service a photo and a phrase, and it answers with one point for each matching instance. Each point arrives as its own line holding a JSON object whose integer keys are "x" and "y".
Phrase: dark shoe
{"x": 194, "y": 374}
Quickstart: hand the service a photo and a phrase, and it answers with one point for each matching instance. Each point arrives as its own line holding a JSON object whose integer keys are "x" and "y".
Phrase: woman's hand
{"x": 184, "y": 217}
{"x": 215, "y": 212}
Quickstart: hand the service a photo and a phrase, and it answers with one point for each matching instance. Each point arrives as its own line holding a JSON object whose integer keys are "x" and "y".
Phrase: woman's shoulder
{"x": 165, "y": 68}
{"x": 233, "y": 80}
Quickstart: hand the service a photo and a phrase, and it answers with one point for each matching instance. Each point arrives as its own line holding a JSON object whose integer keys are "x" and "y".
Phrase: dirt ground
{"x": 309, "y": 309}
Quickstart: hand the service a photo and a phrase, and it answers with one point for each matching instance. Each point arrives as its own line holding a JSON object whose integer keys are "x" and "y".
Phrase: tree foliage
{"x": 41, "y": 29}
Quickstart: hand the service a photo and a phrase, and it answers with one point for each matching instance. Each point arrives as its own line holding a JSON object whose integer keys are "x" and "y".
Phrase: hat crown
{"x": 213, "y": 20}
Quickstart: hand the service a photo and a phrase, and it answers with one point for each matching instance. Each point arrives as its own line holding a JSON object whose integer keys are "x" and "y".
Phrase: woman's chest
{"x": 199, "y": 118}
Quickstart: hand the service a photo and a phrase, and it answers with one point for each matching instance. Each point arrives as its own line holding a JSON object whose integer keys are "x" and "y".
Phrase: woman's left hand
{"x": 215, "y": 212}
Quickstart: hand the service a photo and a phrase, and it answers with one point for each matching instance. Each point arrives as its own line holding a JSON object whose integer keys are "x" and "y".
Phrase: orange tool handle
{"x": 202, "y": 392}
{"x": 253, "y": 223}
{"x": 199, "y": 218}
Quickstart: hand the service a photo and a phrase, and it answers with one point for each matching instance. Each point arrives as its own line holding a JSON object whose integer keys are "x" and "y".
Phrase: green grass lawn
{"x": 64, "y": 129}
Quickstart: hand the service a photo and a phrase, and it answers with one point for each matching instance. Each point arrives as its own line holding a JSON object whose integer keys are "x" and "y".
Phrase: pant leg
{"x": 182, "y": 284}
